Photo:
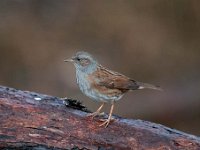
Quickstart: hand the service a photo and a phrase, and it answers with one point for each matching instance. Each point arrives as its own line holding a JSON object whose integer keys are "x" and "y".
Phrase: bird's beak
{"x": 68, "y": 60}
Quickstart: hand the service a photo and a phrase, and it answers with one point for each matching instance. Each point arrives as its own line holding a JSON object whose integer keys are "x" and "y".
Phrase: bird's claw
{"x": 106, "y": 122}
{"x": 94, "y": 114}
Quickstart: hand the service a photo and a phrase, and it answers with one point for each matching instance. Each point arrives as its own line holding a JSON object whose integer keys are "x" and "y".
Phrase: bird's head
{"x": 83, "y": 61}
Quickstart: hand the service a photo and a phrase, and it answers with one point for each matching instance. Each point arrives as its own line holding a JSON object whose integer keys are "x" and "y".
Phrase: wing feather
{"x": 114, "y": 80}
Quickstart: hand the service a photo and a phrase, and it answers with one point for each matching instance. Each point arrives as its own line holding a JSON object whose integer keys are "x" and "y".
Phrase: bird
{"x": 101, "y": 84}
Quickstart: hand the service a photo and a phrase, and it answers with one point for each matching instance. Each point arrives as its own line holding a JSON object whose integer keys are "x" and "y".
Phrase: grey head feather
{"x": 85, "y": 62}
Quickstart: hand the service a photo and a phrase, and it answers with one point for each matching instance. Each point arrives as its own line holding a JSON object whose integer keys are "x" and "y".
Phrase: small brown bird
{"x": 102, "y": 84}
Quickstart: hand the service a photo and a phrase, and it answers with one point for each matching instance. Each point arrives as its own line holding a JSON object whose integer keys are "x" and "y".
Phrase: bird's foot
{"x": 106, "y": 122}
{"x": 94, "y": 114}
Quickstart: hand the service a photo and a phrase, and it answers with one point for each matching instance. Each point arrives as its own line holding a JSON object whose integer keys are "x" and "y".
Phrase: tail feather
{"x": 148, "y": 86}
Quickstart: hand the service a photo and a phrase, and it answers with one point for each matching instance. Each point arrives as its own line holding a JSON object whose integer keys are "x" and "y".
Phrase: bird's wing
{"x": 113, "y": 80}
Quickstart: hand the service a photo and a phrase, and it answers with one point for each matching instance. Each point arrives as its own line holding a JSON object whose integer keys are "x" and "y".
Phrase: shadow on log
{"x": 30, "y": 120}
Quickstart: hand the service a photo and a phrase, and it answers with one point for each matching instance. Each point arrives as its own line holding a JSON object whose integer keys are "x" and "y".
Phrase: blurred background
{"x": 155, "y": 41}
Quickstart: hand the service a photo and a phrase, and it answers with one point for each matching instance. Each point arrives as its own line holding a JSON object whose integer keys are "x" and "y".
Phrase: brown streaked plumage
{"x": 108, "y": 82}
{"x": 102, "y": 84}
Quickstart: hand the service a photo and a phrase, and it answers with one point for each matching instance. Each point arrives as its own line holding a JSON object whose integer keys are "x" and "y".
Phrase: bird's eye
{"x": 78, "y": 59}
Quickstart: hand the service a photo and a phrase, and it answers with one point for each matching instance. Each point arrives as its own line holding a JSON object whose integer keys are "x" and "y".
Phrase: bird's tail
{"x": 148, "y": 86}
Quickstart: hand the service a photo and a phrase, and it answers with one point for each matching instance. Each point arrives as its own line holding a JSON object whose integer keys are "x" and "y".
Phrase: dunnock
{"x": 102, "y": 84}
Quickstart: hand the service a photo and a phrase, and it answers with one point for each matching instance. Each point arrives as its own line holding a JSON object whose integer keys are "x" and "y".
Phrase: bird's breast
{"x": 82, "y": 82}
{"x": 90, "y": 88}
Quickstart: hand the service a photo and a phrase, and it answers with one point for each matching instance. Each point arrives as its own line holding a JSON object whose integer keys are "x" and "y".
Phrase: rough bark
{"x": 30, "y": 120}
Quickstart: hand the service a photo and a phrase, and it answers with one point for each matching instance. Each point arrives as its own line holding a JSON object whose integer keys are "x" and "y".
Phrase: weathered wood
{"x": 30, "y": 120}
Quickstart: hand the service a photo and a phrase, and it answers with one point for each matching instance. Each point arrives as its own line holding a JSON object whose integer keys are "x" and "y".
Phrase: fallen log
{"x": 29, "y": 120}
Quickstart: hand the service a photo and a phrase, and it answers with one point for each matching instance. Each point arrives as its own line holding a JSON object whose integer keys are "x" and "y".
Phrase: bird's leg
{"x": 107, "y": 121}
{"x": 96, "y": 112}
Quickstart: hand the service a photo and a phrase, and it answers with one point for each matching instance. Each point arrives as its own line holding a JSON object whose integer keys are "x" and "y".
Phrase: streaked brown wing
{"x": 113, "y": 80}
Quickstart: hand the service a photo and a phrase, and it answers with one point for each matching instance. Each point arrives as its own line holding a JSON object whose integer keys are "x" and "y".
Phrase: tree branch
{"x": 31, "y": 120}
